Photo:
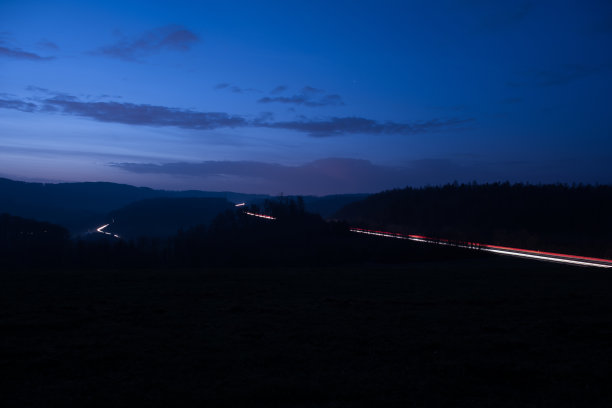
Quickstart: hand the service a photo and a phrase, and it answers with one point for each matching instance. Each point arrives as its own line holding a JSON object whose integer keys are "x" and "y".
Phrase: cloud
{"x": 149, "y": 115}
{"x": 327, "y": 100}
{"x": 309, "y": 96}
{"x": 154, "y": 115}
{"x": 561, "y": 76}
{"x": 47, "y": 92}
{"x": 48, "y": 44}
{"x": 278, "y": 89}
{"x": 311, "y": 90}
{"x": 325, "y": 176}
{"x": 171, "y": 37}
{"x": 234, "y": 88}
{"x": 20, "y": 54}
{"x": 18, "y": 105}
{"x": 336, "y": 126}
{"x": 349, "y": 175}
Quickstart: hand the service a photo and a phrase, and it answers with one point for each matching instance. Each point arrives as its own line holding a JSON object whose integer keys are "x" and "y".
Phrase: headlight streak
{"x": 267, "y": 217}
{"x": 101, "y": 228}
{"x": 525, "y": 253}
{"x": 101, "y": 231}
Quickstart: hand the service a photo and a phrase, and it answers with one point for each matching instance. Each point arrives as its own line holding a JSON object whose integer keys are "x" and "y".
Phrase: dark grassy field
{"x": 482, "y": 332}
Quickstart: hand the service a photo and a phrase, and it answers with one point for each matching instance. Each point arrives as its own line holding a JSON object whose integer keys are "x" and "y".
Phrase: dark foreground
{"x": 481, "y": 332}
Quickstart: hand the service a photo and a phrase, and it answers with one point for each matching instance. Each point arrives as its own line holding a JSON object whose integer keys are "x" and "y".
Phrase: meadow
{"x": 487, "y": 331}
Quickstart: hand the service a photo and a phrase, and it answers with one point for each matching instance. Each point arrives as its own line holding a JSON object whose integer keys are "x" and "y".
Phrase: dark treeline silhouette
{"x": 233, "y": 238}
{"x": 79, "y": 206}
{"x": 296, "y": 237}
{"x": 162, "y": 217}
{"x": 574, "y": 219}
{"x": 25, "y": 242}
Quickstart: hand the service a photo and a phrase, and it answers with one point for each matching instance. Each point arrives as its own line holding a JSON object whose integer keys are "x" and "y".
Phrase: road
{"x": 101, "y": 231}
{"x": 502, "y": 250}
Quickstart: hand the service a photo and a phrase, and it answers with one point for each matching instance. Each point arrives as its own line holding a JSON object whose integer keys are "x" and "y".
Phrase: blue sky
{"x": 305, "y": 97}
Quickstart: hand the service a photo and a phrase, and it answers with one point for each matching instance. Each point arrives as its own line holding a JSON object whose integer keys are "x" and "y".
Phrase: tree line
{"x": 295, "y": 238}
{"x": 561, "y": 217}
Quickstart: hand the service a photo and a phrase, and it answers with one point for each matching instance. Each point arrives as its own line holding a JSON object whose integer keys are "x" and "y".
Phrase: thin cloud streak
{"x": 325, "y": 176}
{"x": 22, "y": 55}
{"x": 48, "y": 44}
{"x": 328, "y": 100}
{"x": 152, "y": 115}
{"x": 347, "y": 175}
{"x": 235, "y": 88}
{"x": 278, "y": 89}
{"x": 337, "y": 126}
{"x": 171, "y": 37}
{"x": 309, "y": 96}
{"x": 149, "y": 115}
{"x": 19, "y": 105}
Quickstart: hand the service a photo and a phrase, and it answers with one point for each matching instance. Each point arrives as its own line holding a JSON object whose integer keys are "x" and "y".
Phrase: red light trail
{"x": 525, "y": 253}
{"x": 267, "y": 217}
{"x": 502, "y": 250}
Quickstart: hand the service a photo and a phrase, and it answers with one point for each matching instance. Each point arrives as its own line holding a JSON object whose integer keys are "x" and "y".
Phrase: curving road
{"x": 502, "y": 250}
{"x": 101, "y": 231}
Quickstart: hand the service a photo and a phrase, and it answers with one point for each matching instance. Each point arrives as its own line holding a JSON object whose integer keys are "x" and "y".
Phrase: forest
{"x": 570, "y": 219}
{"x": 294, "y": 238}
{"x": 559, "y": 217}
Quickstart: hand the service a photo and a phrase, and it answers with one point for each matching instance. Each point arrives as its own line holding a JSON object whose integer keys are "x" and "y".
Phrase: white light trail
{"x": 525, "y": 253}
{"x": 547, "y": 258}
{"x": 101, "y": 228}
{"x": 101, "y": 231}
{"x": 267, "y": 217}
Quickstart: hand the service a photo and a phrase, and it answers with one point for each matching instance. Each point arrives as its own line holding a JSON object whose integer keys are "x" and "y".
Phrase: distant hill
{"x": 547, "y": 217}
{"x": 81, "y": 206}
{"x": 328, "y": 206}
{"x": 162, "y": 217}
{"x": 68, "y": 204}
{"x": 28, "y": 242}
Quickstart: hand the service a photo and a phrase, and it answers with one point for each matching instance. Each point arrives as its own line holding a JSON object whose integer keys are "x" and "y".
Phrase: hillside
{"x": 547, "y": 217}
{"x": 162, "y": 217}
{"x": 27, "y": 242}
{"x": 327, "y": 206}
{"x": 80, "y": 206}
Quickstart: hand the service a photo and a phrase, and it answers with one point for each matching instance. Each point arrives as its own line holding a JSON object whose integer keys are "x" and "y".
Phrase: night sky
{"x": 305, "y": 97}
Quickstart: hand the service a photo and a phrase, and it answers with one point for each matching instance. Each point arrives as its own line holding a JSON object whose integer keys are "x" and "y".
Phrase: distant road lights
{"x": 267, "y": 217}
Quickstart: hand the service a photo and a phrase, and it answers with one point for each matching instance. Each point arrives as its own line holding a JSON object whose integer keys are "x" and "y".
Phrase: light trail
{"x": 101, "y": 231}
{"x": 267, "y": 217}
{"x": 240, "y": 205}
{"x": 546, "y": 258}
{"x": 524, "y": 253}
{"x": 101, "y": 228}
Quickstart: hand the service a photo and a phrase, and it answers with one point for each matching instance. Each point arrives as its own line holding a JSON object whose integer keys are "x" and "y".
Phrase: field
{"x": 474, "y": 332}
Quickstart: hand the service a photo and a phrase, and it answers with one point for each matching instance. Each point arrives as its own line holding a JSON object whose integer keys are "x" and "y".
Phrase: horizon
{"x": 454, "y": 183}
{"x": 305, "y": 99}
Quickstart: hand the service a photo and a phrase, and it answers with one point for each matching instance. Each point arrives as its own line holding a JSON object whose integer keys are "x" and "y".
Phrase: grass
{"x": 474, "y": 332}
